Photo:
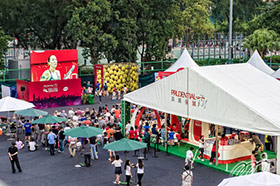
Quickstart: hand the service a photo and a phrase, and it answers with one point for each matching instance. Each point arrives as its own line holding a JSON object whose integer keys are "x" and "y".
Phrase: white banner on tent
{"x": 6, "y": 91}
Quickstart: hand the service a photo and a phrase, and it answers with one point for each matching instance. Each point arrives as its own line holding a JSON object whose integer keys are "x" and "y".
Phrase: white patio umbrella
{"x": 11, "y": 104}
{"x": 257, "y": 179}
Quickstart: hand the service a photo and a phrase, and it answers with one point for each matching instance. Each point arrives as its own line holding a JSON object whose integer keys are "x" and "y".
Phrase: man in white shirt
{"x": 75, "y": 118}
{"x": 71, "y": 113}
{"x": 127, "y": 128}
{"x": 32, "y": 146}
{"x": 189, "y": 157}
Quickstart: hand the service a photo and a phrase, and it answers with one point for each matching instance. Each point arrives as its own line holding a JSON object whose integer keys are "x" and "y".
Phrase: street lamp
{"x": 230, "y": 32}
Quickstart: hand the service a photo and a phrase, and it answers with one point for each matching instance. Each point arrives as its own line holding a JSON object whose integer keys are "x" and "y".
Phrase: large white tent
{"x": 185, "y": 60}
{"x": 237, "y": 96}
{"x": 276, "y": 74}
{"x": 257, "y": 62}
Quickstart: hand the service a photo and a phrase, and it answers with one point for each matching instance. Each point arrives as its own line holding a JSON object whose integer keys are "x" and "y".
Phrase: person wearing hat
{"x": 187, "y": 176}
{"x": 12, "y": 152}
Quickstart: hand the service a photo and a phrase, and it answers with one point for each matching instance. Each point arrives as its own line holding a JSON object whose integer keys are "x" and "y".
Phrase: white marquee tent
{"x": 276, "y": 74}
{"x": 185, "y": 60}
{"x": 257, "y": 62}
{"x": 237, "y": 96}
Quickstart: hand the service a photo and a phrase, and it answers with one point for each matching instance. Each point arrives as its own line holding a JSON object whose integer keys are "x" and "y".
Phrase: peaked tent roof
{"x": 276, "y": 74}
{"x": 257, "y": 62}
{"x": 185, "y": 60}
{"x": 237, "y": 96}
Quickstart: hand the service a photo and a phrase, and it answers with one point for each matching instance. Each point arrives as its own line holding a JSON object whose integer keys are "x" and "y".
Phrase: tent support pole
{"x": 278, "y": 155}
{"x": 217, "y": 144}
{"x": 165, "y": 123}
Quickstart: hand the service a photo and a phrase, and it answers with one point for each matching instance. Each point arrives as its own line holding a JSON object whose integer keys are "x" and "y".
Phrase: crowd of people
{"x": 52, "y": 137}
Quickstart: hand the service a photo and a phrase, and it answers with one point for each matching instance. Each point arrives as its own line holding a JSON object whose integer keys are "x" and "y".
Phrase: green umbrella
{"x": 49, "y": 119}
{"x": 31, "y": 112}
{"x": 83, "y": 131}
{"x": 125, "y": 144}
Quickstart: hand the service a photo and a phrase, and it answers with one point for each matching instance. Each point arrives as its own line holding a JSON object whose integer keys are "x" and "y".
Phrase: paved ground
{"x": 39, "y": 168}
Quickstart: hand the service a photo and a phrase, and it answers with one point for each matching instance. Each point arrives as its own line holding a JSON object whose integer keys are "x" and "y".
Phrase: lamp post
{"x": 230, "y": 33}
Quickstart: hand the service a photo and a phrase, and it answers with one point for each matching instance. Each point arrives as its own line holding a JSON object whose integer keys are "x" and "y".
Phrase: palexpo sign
{"x": 187, "y": 98}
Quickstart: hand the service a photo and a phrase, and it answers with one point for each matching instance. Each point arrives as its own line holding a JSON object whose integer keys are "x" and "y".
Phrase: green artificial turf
{"x": 241, "y": 168}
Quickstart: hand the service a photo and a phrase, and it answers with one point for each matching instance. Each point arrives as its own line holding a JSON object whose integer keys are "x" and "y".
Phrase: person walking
{"x": 140, "y": 172}
{"x": 51, "y": 141}
{"x": 128, "y": 175}
{"x": 187, "y": 177}
{"x": 13, "y": 152}
{"x": 189, "y": 157}
{"x": 118, "y": 169}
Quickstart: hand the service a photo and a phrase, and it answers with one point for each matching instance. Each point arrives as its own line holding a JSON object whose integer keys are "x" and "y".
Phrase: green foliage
{"x": 88, "y": 25}
{"x": 37, "y": 23}
{"x": 269, "y": 18}
{"x": 243, "y": 11}
{"x": 3, "y": 46}
{"x": 263, "y": 40}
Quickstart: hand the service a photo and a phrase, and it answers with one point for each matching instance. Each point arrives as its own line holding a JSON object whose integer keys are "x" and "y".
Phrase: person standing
{"x": 28, "y": 130}
{"x": 51, "y": 141}
{"x": 128, "y": 174}
{"x": 213, "y": 153}
{"x": 61, "y": 139}
{"x": 268, "y": 142}
{"x": 93, "y": 144}
{"x": 187, "y": 177}
{"x": 201, "y": 148}
{"x": 140, "y": 171}
{"x": 12, "y": 152}
{"x": 87, "y": 153}
{"x": 118, "y": 168}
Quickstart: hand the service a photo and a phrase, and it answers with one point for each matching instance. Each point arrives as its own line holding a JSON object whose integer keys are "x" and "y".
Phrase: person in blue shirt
{"x": 171, "y": 137}
{"x": 147, "y": 126}
{"x": 97, "y": 85}
{"x": 51, "y": 140}
{"x": 28, "y": 130}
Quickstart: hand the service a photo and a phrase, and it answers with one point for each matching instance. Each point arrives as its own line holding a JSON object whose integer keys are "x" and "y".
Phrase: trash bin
{"x": 90, "y": 99}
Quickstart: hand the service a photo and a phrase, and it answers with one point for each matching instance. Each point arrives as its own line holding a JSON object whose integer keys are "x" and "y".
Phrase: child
{"x": 114, "y": 96}
{"x": 119, "y": 94}
{"x": 171, "y": 137}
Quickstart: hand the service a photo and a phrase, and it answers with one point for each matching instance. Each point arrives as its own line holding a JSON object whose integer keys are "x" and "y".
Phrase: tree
{"x": 268, "y": 18}
{"x": 263, "y": 40}
{"x": 38, "y": 23}
{"x": 3, "y": 46}
{"x": 196, "y": 18}
{"x": 243, "y": 11}
{"x": 88, "y": 25}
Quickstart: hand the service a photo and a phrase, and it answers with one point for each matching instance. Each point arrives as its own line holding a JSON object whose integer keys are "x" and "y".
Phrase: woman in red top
{"x": 178, "y": 136}
{"x": 213, "y": 153}
{"x": 131, "y": 133}
{"x": 137, "y": 134}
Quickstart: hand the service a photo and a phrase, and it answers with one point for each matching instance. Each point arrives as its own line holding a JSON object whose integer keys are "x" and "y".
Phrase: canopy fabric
{"x": 276, "y": 74}
{"x": 125, "y": 144}
{"x": 83, "y": 131}
{"x": 49, "y": 119}
{"x": 257, "y": 179}
{"x": 31, "y": 112}
{"x": 12, "y": 104}
{"x": 237, "y": 96}
{"x": 257, "y": 62}
{"x": 185, "y": 60}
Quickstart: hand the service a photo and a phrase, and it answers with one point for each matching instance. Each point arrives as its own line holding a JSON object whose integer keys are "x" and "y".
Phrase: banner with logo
{"x": 49, "y": 65}
{"x": 55, "y": 93}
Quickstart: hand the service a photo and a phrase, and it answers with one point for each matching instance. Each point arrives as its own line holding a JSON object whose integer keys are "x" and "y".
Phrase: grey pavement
{"x": 40, "y": 168}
